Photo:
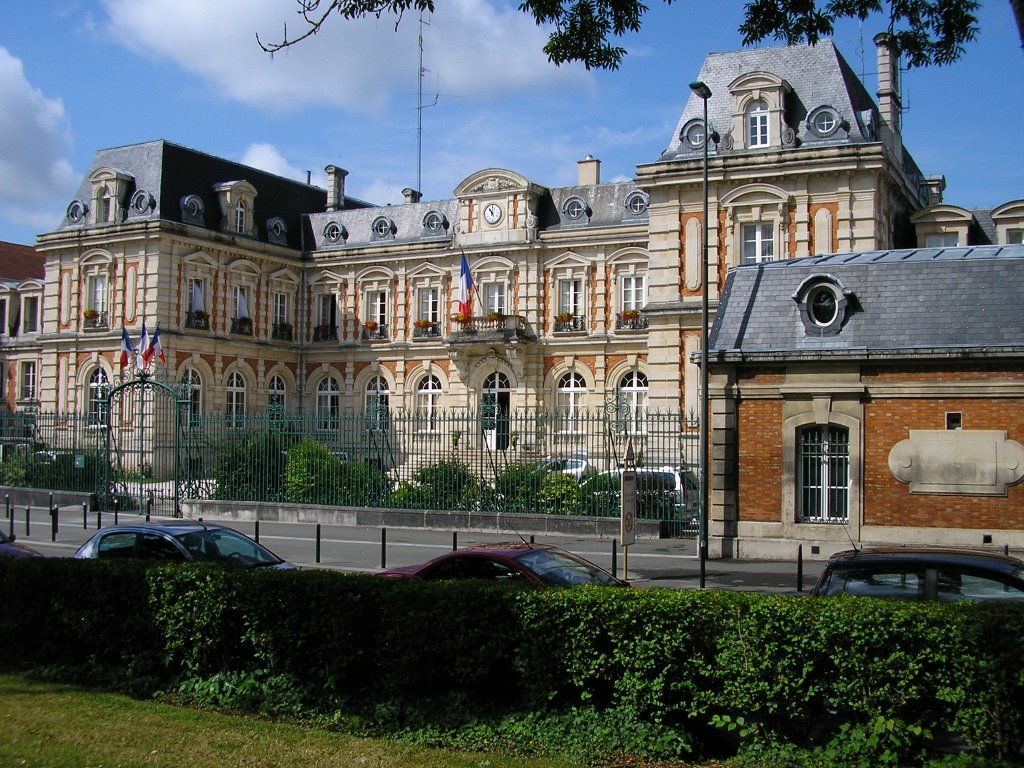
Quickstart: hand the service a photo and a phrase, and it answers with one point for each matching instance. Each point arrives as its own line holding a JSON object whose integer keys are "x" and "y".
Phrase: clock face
{"x": 492, "y": 213}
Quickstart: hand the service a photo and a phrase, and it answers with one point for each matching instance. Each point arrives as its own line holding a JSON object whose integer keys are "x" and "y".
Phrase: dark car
{"x": 179, "y": 542}
{"x": 514, "y": 562}
{"x": 8, "y": 548}
{"x": 919, "y": 573}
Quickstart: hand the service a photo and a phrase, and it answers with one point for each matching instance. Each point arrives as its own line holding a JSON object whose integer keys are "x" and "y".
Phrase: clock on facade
{"x": 492, "y": 213}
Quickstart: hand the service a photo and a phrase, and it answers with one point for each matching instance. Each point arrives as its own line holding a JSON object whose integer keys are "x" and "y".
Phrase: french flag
{"x": 126, "y": 347}
{"x": 156, "y": 349}
{"x": 143, "y": 353}
{"x": 465, "y": 286}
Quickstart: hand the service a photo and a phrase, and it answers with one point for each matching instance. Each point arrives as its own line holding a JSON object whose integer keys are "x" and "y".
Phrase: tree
{"x": 925, "y": 32}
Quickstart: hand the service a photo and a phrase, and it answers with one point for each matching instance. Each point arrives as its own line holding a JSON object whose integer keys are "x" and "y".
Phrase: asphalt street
{"x": 669, "y": 563}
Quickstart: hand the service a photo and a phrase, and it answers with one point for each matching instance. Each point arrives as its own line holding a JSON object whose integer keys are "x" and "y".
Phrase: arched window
{"x": 757, "y": 124}
{"x": 427, "y": 395}
{"x": 276, "y": 393}
{"x": 328, "y": 404}
{"x": 195, "y": 384}
{"x": 496, "y": 404}
{"x": 235, "y": 404}
{"x": 823, "y": 474}
{"x": 632, "y": 397}
{"x": 99, "y": 388}
{"x": 568, "y": 399}
{"x": 241, "y": 215}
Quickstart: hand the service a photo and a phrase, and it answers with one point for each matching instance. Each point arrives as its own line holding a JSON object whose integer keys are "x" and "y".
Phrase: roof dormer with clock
{"x": 497, "y": 206}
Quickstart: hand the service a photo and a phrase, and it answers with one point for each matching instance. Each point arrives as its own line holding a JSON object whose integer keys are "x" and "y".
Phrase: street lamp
{"x": 703, "y": 93}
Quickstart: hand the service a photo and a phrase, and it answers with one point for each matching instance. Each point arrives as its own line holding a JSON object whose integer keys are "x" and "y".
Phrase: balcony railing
{"x": 198, "y": 320}
{"x": 628, "y": 321}
{"x": 241, "y": 326}
{"x": 281, "y": 332}
{"x": 94, "y": 319}
{"x": 426, "y": 330}
{"x": 490, "y": 328}
{"x": 375, "y": 333}
{"x": 325, "y": 333}
{"x": 573, "y": 324}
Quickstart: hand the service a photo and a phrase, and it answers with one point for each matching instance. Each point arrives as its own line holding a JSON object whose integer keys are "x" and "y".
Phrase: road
{"x": 648, "y": 563}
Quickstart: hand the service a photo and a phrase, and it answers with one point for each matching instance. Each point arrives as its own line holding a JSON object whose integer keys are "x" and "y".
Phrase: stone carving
{"x": 958, "y": 462}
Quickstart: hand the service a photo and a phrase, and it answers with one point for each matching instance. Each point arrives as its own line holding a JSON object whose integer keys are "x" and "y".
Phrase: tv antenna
{"x": 419, "y": 109}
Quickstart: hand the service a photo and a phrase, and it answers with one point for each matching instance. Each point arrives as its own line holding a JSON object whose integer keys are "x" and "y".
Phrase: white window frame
{"x": 494, "y": 297}
{"x": 327, "y": 310}
{"x": 241, "y": 217}
{"x": 277, "y": 392}
{"x": 97, "y": 406}
{"x": 328, "y": 404}
{"x": 569, "y": 394}
{"x": 632, "y": 290}
{"x": 28, "y": 380}
{"x": 241, "y": 293}
{"x": 941, "y": 240}
{"x": 235, "y": 398}
{"x": 756, "y": 121}
{"x": 428, "y": 392}
{"x": 757, "y": 242}
{"x": 376, "y": 302}
{"x": 632, "y": 394}
{"x": 428, "y": 304}
{"x": 280, "y": 308}
{"x": 97, "y": 292}
{"x": 195, "y": 381}
{"x": 571, "y": 296}
{"x": 33, "y": 315}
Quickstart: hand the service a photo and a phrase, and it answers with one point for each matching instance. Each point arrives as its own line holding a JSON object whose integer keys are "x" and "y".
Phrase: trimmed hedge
{"x": 681, "y": 673}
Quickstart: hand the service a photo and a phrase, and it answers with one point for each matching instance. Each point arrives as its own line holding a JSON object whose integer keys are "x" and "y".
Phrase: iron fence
{"x": 520, "y": 462}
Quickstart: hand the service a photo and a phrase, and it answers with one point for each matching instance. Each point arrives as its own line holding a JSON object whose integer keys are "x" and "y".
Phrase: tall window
{"x": 30, "y": 314}
{"x": 632, "y": 397}
{"x": 823, "y": 474}
{"x": 242, "y": 303}
{"x": 235, "y": 405}
{"x": 28, "y": 381}
{"x": 570, "y": 296}
{"x": 3, "y": 317}
{"x": 569, "y": 398}
{"x": 328, "y": 404}
{"x": 632, "y": 292}
{"x": 758, "y": 243}
{"x": 941, "y": 240}
{"x": 97, "y": 300}
{"x": 428, "y": 305}
{"x": 276, "y": 392}
{"x": 328, "y": 311}
{"x": 494, "y": 298}
{"x": 280, "y": 308}
{"x": 98, "y": 390}
{"x": 377, "y": 307}
{"x": 241, "y": 216}
{"x": 427, "y": 395}
{"x": 757, "y": 124}
{"x": 104, "y": 205}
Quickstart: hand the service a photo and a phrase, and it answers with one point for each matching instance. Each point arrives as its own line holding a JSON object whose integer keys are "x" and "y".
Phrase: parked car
{"x": 918, "y": 573}
{"x": 179, "y": 542}
{"x": 539, "y": 565}
{"x": 8, "y": 547}
{"x": 575, "y": 466}
{"x": 665, "y": 493}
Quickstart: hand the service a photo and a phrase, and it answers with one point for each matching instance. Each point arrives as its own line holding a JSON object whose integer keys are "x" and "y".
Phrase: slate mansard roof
{"x": 928, "y": 302}
{"x": 167, "y": 173}
{"x": 819, "y": 77}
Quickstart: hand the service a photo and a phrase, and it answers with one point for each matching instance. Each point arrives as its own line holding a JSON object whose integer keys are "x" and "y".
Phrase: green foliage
{"x": 14, "y": 471}
{"x": 251, "y": 467}
{"x": 560, "y": 494}
{"x": 312, "y": 474}
{"x": 448, "y": 484}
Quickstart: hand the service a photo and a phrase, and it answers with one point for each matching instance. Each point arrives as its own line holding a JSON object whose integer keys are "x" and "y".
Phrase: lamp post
{"x": 703, "y": 93}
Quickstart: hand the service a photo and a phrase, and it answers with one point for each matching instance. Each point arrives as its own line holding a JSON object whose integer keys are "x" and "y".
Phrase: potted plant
{"x": 629, "y": 315}
{"x": 564, "y": 317}
{"x": 423, "y": 324}
{"x": 492, "y": 316}
{"x": 459, "y": 317}
{"x": 90, "y": 314}
{"x": 371, "y": 326}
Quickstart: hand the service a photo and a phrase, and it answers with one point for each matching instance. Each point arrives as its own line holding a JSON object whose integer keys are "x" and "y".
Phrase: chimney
{"x": 335, "y": 187}
{"x": 935, "y": 186}
{"x": 589, "y": 171}
{"x": 411, "y": 195}
{"x": 889, "y": 104}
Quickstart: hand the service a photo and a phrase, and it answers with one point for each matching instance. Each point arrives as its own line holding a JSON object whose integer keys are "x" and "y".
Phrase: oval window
{"x": 822, "y": 306}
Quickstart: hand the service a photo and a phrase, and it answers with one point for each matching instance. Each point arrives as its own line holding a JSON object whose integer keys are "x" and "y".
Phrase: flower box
{"x": 493, "y": 316}
{"x": 371, "y": 325}
{"x": 629, "y": 315}
{"x": 90, "y": 314}
{"x": 564, "y": 317}
{"x": 423, "y": 324}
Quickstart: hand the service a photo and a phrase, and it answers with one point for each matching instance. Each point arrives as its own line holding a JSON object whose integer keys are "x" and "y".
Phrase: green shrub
{"x": 560, "y": 494}
{"x": 447, "y": 484}
{"x": 312, "y": 474}
{"x": 252, "y": 467}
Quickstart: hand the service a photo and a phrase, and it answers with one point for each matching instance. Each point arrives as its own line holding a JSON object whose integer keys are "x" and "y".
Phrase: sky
{"x": 77, "y": 76}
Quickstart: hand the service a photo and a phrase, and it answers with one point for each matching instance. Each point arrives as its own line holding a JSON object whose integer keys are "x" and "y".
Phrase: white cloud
{"x": 268, "y": 158}
{"x": 471, "y": 49}
{"x": 34, "y": 143}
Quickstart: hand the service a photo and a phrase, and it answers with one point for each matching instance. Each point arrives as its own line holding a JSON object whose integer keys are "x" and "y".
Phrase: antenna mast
{"x": 419, "y": 113}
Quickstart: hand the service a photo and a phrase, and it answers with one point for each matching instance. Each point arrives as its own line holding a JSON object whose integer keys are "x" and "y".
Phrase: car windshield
{"x": 222, "y": 545}
{"x": 562, "y": 569}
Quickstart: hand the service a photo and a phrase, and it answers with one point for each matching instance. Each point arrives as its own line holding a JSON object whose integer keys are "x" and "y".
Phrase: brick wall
{"x": 759, "y": 454}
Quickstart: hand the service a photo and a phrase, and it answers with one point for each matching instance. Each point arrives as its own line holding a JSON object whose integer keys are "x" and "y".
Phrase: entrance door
{"x": 496, "y": 400}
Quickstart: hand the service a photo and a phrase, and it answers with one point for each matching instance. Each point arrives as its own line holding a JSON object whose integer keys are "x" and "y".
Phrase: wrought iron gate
{"x": 146, "y": 463}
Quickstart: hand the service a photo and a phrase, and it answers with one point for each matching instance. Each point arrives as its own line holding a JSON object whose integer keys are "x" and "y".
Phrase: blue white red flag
{"x": 156, "y": 349}
{"x": 143, "y": 354}
{"x": 465, "y": 288}
{"x": 126, "y": 347}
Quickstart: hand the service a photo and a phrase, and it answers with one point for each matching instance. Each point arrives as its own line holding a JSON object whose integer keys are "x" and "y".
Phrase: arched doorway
{"x": 495, "y": 408}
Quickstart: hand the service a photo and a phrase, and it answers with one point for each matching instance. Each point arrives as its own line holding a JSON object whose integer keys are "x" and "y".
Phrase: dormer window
{"x": 824, "y": 122}
{"x": 334, "y": 232}
{"x": 237, "y": 201}
{"x": 574, "y": 208}
{"x": 757, "y": 124}
{"x": 435, "y": 222}
{"x": 382, "y": 227}
{"x": 109, "y": 195}
{"x": 636, "y": 202}
{"x": 241, "y": 217}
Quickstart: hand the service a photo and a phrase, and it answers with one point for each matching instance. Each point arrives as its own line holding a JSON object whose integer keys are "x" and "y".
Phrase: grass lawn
{"x": 45, "y": 725}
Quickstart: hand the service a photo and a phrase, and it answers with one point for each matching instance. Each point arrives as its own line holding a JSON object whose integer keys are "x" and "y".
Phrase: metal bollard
{"x": 256, "y": 532}
{"x": 800, "y": 568}
{"x": 532, "y": 539}
{"x": 28, "y": 520}
{"x": 149, "y": 506}
{"x": 455, "y": 540}
{"x": 54, "y": 522}
{"x": 7, "y": 506}
{"x": 615, "y": 558}
{"x": 318, "y": 542}
{"x": 383, "y": 547}
{"x": 85, "y": 516}
{"x": 99, "y": 520}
